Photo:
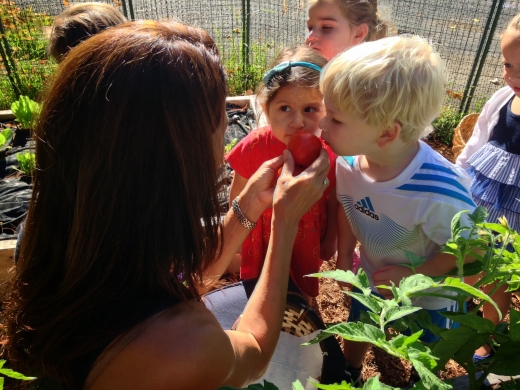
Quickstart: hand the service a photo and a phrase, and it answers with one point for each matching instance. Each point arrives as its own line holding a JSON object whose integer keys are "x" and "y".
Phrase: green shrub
{"x": 444, "y": 125}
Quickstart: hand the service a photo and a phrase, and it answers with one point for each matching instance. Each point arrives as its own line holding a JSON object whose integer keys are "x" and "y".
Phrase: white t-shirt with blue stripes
{"x": 412, "y": 211}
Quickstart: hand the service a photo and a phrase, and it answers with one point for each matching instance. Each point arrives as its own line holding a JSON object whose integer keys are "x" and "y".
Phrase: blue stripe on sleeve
{"x": 442, "y": 179}
{"x": 437, "y": 190}
{"x": 439, "y": 168}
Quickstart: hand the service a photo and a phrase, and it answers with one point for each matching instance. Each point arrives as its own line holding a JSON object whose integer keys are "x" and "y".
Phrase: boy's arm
{"x": 329, "y": 243}
{"x": 439, "y": 265}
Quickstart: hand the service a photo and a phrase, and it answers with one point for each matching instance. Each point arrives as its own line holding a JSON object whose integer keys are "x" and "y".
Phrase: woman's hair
{"x": 297, "y": 75}
{"x": 359, "y": 12}
{"x": 392, "y": 79}
{"x": 125, "y": 209}
{"x": 78, "y": 22}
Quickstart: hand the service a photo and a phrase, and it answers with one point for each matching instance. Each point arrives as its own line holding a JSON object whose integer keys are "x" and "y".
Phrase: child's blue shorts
{"x": 427, "y": 336}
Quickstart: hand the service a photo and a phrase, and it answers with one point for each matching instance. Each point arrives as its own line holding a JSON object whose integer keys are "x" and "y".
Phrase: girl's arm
{"x": 329, "y": 243}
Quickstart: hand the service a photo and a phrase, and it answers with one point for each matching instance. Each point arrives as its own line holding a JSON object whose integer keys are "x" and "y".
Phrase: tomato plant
{"x": 305, "y": 148}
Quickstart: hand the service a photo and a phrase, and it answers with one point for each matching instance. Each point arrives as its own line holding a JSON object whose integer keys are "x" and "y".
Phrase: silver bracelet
{"x": 240, "y": 215}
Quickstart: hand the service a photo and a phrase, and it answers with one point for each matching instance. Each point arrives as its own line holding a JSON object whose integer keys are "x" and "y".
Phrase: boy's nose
{"x": 322, "y": 123}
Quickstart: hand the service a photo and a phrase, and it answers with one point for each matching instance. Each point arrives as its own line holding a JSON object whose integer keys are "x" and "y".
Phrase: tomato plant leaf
{"x": 472, "y": 321}
{"x": 370, "y": 301}
{"x": 399, "y": 312}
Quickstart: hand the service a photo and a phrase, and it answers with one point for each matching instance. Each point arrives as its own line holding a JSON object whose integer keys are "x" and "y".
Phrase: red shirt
{"x": 245, "y": 158}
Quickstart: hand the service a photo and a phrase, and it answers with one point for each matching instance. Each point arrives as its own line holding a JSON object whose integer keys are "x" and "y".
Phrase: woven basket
{"x": 462, "y": 133}
{"x": 298, "y": 319}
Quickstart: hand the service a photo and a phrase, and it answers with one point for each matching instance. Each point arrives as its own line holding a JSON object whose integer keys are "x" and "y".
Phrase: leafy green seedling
{"x": 26, "y": 111}
{"x": 5, "y": 137}
{"x": 27, "y": 162}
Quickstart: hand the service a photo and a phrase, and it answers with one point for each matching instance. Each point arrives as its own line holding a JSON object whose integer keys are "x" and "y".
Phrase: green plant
{"x": 5, "y": 136}
{"x": 481, "y": 239}
{"x": 444, "y": 125}
{"x": 11, "y": 374}
{"x": 26, "y": 111}
{"x": 230, "y": 146}
{"x": 27, "y": 162}
{"x": 25, "y": 65}
{"x": 244, "y": 76}
{"x": 371, "y": 384}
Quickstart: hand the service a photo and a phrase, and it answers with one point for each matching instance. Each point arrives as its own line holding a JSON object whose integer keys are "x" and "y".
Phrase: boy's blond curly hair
{"x": 396, "y": 79}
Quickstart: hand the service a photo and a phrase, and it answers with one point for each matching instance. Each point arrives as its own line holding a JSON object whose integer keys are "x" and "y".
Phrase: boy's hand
{"x": 390, "y": 273}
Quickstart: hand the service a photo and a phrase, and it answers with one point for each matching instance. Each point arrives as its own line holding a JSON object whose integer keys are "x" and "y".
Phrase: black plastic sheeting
{"x": 15, "y": 192}
{"x": 240, "y": 122}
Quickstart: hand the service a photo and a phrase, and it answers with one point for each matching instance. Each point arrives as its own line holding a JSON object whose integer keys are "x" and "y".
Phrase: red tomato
{"x": 297, "y": 170}
{"x": 305, "y": 148}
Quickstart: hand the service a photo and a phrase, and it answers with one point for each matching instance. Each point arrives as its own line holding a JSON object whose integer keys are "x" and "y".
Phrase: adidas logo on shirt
{"x": 365, "y": 206}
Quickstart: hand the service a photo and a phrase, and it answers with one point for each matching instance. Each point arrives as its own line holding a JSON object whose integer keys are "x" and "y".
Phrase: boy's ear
{"x": 360, "y": 33}
{"x": 389, "y": 135}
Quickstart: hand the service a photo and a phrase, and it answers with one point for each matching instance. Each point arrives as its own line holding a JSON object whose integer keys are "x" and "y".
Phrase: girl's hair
{"x": 515, "y": 23}
{"x": 78, "y": 22}
{"x": 359, "y": 12}
{"x": 392, "y": 79}
{"x": 125, "y": 208}
{"x": 297, "y": 75}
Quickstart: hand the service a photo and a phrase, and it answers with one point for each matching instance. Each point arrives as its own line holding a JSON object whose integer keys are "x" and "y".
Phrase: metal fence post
{"x": 246, "y": 32}
{"x": 480, "y": 57}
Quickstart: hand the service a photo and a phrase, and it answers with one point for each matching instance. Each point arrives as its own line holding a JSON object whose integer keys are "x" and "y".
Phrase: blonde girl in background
{"x": 335, "y": 25}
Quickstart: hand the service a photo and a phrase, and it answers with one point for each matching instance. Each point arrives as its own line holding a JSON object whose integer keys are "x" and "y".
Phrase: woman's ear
{"x": 360, "y": 33}
{"x": 389, "y": 135}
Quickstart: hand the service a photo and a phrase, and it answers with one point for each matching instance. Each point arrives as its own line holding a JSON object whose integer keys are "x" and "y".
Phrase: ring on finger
{"x": 326, "y": 182}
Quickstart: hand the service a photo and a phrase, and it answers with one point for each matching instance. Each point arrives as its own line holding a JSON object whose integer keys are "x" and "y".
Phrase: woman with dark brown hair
{"x": 124, "y": 225}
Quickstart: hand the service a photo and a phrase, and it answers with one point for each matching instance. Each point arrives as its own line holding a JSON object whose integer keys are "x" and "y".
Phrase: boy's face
{"x": 347, "y": 135}
{"x": 510, "y": 46}
{"x": 329, "y": 32}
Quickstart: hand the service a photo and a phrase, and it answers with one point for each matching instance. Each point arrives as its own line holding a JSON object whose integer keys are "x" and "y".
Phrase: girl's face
{"x": 510, "y": 46}
{"x": 295, "y": 109}
{"x": 330, "y": 32}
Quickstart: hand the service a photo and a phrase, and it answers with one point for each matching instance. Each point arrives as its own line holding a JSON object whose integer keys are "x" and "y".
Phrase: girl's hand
{"x": 294, "y": 196}
{"x": 257, "y": 195}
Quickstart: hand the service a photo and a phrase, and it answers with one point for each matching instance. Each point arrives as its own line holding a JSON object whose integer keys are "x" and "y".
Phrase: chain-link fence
{"x": 466, "y": 33}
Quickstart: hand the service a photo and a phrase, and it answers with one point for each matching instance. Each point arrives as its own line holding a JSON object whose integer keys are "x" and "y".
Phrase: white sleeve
{"x": 483, "y": 128}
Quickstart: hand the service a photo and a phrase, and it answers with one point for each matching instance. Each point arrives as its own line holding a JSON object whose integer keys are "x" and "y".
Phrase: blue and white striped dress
{"x": 495, "y": 170}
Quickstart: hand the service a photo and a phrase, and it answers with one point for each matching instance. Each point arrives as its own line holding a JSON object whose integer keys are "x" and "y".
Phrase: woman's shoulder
{"x": 185, "y": 347}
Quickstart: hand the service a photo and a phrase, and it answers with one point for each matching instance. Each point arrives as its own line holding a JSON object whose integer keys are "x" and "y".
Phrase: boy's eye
{"x": 335, "y": 121}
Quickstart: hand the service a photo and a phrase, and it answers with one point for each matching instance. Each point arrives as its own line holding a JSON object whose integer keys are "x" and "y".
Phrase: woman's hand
{"x": 257, "y": 195}
{"x": 295, "y": 195}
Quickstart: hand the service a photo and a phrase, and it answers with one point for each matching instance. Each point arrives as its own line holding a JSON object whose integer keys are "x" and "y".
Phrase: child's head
{"x": 78, "y": 22}
{"x": 388, "y": 83}
{"x": 335, "y": 25}
{"x": 290, "y": 94}
{"x": 510, "y": 47}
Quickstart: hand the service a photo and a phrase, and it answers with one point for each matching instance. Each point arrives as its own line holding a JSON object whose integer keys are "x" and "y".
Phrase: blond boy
{"x": 396, "y": 192}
